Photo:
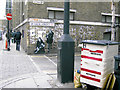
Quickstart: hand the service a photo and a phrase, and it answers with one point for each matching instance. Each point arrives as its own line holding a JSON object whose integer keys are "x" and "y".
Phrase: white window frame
{"x": 59, "y": 9}
{"x": 110, "y": 15}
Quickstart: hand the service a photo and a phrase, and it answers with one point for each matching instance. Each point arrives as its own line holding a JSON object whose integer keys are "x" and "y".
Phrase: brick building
{"x": 3, "y": 24}
{"x": 88, "y": 20}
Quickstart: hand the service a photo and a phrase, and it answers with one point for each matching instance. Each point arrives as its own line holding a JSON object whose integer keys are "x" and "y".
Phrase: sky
{"x": 2, "y": 9}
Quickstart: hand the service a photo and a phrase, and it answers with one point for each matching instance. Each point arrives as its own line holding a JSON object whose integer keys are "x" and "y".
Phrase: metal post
{"x": 65, "y": 60}
{"x": 8, "y": 37}
{"x": 113, "y": 22}
{"x": 66, "y": 17}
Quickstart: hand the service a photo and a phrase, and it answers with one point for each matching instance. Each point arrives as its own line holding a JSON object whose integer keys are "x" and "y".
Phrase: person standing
{"x": 13, "y": 36}
{"x": 18, "y": 39}
{"x": 49, "y": 38}
{"x": 8, "y": 36}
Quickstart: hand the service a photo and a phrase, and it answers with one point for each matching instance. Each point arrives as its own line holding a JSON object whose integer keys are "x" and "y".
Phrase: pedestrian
{"x": 18, "y": 39}
{"x": 49, "y": 41}
{"x": 8, "y": 36}
{"x": 8, "y": 40}
{"x": 14, "y": 37}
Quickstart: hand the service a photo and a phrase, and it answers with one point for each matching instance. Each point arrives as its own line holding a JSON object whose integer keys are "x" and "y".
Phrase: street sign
{"x": 9, "y": 16}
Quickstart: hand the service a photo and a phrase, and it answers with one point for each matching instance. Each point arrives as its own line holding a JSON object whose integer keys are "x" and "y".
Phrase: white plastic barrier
{"x": 97, "y": 61}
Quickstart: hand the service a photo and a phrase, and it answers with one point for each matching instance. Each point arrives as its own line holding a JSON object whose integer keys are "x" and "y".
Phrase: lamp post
{"x": 66, "y": 17}
{"x": 65, "y": 60}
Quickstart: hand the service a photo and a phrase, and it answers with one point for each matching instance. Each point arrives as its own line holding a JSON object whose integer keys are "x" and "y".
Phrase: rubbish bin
{"x": 117, "y": 72}
{"x": 97, "y": 61}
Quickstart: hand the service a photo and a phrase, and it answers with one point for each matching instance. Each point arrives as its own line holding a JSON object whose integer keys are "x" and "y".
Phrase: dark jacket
{"x": 49, "y": 37}
{"x": 18, "y": 35}
{"x": 8, "y": 36}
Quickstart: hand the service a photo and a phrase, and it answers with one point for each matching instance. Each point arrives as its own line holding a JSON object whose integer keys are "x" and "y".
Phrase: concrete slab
{"x": 50, "y": 72}
{"x": 12, "y": 85}
{"x": 66, "y": 85}
{"x": 42, "y": 81}
{"x": 26, "y": 83}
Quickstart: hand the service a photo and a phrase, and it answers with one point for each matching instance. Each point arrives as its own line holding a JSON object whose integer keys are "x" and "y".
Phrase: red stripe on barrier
{"x": 85, "y": 49}
{"x": 97, "y": 51}
{"x": 91, "y": 71}
{"x": 98, "y": 59}
{"x": 90, "y": 78}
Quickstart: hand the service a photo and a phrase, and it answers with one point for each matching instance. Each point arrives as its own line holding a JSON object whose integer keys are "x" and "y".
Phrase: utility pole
{"x": 113, "y": 21}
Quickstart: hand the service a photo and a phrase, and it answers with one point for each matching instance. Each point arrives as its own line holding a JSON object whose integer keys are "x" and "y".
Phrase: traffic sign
{"x": 9, "y": 16}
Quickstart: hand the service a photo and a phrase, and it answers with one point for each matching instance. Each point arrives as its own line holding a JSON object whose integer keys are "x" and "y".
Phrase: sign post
{"x": 9, "y": 17}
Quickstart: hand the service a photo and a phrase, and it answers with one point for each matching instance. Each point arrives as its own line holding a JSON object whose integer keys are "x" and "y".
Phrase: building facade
{"x": 88, "y": 20}
{"x": 9, "y": 10}
{"x": 8, "y": 6}
{"x": 3, "y": 24}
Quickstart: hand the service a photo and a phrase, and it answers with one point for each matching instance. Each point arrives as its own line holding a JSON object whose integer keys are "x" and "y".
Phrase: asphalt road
{"x": 48, "y": 62}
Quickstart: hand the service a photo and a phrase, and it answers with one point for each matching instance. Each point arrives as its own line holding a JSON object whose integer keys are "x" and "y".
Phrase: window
{"x": 107, "y": 35}
{"x": 107, "y": 18}
{"x": 51, "y": 14}
{"x": 71, "y": 16}
{"x": 59, "y": 15}
{"x": 103, "y": 19}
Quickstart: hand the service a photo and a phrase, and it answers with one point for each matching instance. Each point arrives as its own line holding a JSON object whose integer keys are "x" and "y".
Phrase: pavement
{"x": 19, "y": 70}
